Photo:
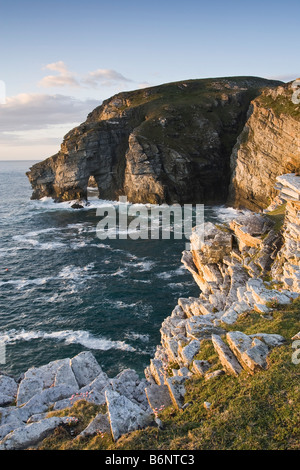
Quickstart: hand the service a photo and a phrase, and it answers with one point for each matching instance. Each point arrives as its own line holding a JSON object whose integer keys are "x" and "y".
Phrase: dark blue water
{"x": 62, "y": 290}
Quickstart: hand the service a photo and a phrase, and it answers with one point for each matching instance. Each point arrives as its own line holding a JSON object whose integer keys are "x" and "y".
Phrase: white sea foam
{"x": 121, "y": 304}
{"x": 226, "y": 214}
{"x": 137, "y": 336}
{"x": 144, "y": 265}
{"x": 36, "y": 233}
{"x": 120, "y": 272}
{"x": 73, "y": 274}
{"x": 76, "y": 273}
{"x": 79, "y": 245}
{"x": 176, "y": 285}
{"x": 32, "y": 242}
{"x": 48, "y": 204}
{"x": 84, "y": 338}
{"x": 21, "y": 283}
{"x": 170, "y": 274}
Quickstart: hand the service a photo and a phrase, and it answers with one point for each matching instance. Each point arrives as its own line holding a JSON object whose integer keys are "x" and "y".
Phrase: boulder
{"x": 128, "y": 383}
{"x": 39, "y": 403}
{"x": 176, "y": 390}
{"x": 214, "y": 374}
{"x": 200, "y": 367}
{"x": 226, "y": 356}
{"x": 99, "y": 424}
{"x": 65, "y": 376}
{"x": 251, "y": 352}
{"x": 92, "y": 393}
{"x": 45, "y": 373}
{"x": 158, "y": 396}
{"x": 85, "y": 368}
{"x": 190, "y": 351}
{"x": 28, "y": 388}
{"x": 211, "y": 246}
{"x": 124, "y": 415}
{"x": 183, "y": 372}
{"x": 157, "y": 371}
{"x": 271, "y": 340}
{"x": 5, "y": 399}
{"x": 37, "y": 417}
{"x": 30, "y": 434}
{"x": 9, "y": 427}
{"x": 8, "y": 386}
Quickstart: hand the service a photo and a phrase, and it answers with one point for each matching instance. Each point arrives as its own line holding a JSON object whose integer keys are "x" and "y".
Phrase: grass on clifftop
{"x": 281, "y": 105}
{"x": 259, "y": 412}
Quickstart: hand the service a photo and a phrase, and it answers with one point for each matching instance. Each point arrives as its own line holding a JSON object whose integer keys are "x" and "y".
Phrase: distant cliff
{"x": 169, "y": 143}
{"x": 268, "y": 146}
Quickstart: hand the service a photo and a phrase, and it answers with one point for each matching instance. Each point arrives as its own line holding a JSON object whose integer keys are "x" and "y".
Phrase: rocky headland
{"x": 250, "y": 265}
{"x": 195, "y": 141}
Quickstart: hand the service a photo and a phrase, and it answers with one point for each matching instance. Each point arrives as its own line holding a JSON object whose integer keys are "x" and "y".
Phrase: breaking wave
{"x": 84, "y": 338}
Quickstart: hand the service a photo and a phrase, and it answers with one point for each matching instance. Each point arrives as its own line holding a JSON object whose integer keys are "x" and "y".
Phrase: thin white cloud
{"x": 104, "y": 77}
{"x": 28, "y": 111}
{"x": 16, "y": 139}
{"x": 65, "y": 77}
{"x": 59, "y": 66}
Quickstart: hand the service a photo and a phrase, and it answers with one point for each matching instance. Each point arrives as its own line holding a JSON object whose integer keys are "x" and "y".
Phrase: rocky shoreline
{"x": 251, "y": 264}
{"x": 207, "y": 141}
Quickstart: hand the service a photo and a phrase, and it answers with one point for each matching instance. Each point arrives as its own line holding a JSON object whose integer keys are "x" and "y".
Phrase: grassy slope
{"x": 248, "y": 412}
{"x": 282, "y": 105}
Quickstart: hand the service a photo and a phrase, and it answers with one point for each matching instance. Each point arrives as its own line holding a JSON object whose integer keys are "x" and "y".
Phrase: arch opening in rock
{"x": 92, "y": 188}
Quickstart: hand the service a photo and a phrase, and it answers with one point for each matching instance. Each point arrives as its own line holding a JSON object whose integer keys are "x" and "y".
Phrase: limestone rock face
{"x": 99, "y": 424}
{"x": 30, "y": 434}
{"x": 8, "y": 390}
{"x": 227, "y": 358}
{"x": 85, "y": 368}
{"x": 124, "y": 415}
{"x": 268, "y": 146}
{"x": 251, "y": 352}
{"x": 170, "y": 143}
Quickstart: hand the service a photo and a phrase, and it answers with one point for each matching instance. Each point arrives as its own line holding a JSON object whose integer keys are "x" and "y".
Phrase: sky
{"x": 59, "y": 59}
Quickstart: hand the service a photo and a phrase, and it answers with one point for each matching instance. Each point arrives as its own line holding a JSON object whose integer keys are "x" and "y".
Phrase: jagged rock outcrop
{"x": 268, "y": 146}
{"x": 170, "y": 143}
{"x": 59, "y": 385}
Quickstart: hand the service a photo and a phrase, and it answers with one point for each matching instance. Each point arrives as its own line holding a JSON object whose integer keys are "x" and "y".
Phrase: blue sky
{"x": 59, "y": 59}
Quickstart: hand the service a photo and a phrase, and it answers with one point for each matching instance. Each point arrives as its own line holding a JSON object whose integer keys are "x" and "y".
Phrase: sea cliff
{"x": 268, "y": 146}
{"x": 176, "y": 143}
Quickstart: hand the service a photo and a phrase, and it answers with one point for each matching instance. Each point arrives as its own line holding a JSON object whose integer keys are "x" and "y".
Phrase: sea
{"x": 63, "y": 290}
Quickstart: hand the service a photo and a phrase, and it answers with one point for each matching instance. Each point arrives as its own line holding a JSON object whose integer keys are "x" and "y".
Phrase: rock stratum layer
{"x": 268, "y": 146}
{"x": 170, "y": 143}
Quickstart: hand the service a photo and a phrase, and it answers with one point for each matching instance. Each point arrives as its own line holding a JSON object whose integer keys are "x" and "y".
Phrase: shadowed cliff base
{"x": 169, "y": 143}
